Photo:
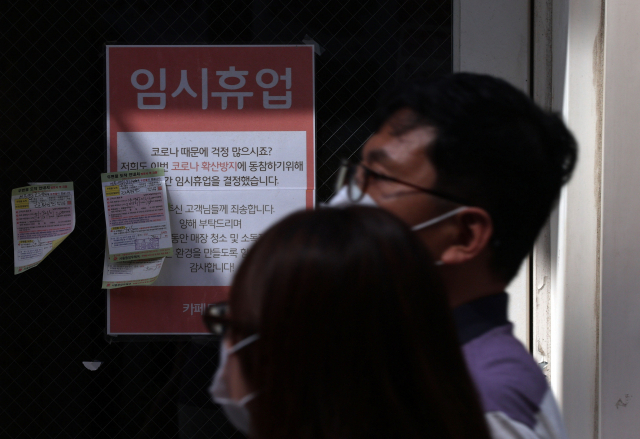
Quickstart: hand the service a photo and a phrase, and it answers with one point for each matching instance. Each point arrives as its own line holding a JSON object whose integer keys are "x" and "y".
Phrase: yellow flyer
{"x": 43, "y": 215}
{"x": 137, "y": 215}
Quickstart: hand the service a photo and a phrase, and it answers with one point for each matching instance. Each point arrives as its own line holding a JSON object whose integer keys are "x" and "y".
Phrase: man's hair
{"x": 496, "y": 148}
{"x": 356, "y": 336}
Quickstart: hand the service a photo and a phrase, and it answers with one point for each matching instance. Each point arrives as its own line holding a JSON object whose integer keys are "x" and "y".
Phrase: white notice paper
{"x": 224, "y": 189}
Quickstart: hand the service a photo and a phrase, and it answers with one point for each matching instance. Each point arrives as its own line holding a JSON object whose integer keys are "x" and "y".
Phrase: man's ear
{"x": 474, "y": 231}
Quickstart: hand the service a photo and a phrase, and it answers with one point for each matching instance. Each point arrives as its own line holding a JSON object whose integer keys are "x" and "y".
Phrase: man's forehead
{"x": 377, "y": 155}
{"x": 386, "y": 146}
{"x": 405, "y": 119}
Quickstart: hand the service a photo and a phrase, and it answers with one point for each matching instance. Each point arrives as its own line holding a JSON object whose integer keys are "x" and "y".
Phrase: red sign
{"x": 233, "y": 126}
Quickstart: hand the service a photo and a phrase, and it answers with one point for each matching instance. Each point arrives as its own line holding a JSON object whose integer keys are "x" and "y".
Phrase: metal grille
{"x": 53, "y": 129}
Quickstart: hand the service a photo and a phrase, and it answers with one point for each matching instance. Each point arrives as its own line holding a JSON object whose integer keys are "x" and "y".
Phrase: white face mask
{"x": 341, "y": 199}
{"x": 437, "y": 219}
{"x": 236, "y": 411}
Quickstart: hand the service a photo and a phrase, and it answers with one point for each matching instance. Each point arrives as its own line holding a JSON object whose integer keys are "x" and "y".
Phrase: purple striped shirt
{"x": 513, "y": 390}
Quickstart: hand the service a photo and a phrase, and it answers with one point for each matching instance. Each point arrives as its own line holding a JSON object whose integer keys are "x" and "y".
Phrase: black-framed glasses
{"x": 357, "y": 178}
{"x": 215, "y": 318}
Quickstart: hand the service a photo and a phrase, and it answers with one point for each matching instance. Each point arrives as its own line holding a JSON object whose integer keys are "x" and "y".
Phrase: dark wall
{"x": 53, "y": 129}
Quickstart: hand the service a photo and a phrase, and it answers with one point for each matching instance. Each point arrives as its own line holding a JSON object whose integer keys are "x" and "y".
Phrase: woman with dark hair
{"x": 336, "y": 328}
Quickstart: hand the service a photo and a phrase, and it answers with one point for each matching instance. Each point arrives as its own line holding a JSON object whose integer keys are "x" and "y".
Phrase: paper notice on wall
{"x": 137, "y": 215}
{"x": 43, "y": 215}
{"x": 130, "y": 273}
{"x": 233, "y": 128}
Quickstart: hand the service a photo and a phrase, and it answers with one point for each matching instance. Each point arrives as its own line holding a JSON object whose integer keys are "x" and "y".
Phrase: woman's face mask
{"x": 236, "y": 411}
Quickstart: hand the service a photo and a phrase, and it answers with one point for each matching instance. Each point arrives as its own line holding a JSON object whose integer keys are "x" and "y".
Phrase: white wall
{"x": 596, "y": 327}
{"x": 575, "y": 297}
{"x": 493, "y": 37}
{"x": 620, "y": 301}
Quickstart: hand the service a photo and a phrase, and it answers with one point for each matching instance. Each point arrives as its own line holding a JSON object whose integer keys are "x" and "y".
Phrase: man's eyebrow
{"x": 377, "y": 156}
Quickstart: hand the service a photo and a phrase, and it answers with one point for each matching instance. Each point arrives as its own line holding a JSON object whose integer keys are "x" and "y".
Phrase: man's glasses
{"x": 215, "y": 318}
{"x": 357, "y": 178}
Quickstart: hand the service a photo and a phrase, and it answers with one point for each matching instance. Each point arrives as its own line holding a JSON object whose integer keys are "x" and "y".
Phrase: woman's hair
{"x": 356, "y": 336}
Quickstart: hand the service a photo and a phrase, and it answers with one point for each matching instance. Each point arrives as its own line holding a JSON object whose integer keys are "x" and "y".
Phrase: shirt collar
{"x": 474, "y": 318}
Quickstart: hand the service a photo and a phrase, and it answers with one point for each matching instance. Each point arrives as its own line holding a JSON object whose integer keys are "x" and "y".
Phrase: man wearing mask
{"x": 474, "y": 166}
